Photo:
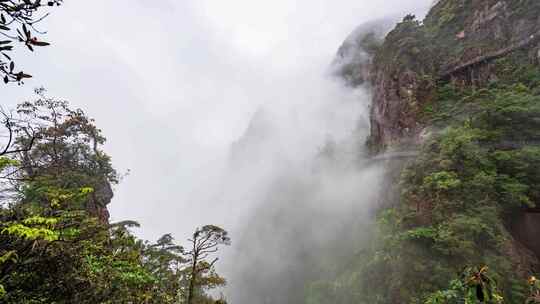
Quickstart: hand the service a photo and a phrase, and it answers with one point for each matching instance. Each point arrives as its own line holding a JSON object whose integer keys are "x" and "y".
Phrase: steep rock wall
{"x": 457, "y": 40}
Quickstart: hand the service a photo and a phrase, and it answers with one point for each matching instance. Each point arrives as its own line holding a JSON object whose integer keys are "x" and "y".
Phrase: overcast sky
{"x": 173, "y": 83}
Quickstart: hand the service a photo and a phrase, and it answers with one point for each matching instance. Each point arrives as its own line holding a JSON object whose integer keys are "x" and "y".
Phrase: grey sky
{"x": 173, "y": 83}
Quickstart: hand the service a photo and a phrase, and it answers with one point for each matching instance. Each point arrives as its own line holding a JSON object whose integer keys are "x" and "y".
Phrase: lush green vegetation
{"x": 480, "y": 168}
{"x": 56, "y": 244}
{"x": 446, "y": 241}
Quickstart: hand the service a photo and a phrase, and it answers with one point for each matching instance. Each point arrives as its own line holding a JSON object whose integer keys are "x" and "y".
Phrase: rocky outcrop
{"x": 97, "y": 203}
{"x": 354, "y": 58}
{"x": 526, "y": 228}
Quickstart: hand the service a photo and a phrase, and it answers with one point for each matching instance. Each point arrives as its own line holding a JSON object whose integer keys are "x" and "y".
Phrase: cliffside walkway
{"x": 395, "y": 155}
{"x": 534, "y": 38}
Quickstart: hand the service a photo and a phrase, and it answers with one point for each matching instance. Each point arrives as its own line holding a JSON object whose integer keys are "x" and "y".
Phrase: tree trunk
{"x": 192, "y": 279}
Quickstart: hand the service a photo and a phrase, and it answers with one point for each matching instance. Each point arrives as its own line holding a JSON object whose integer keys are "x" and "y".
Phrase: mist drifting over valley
{"x": 303, "y": 180}
{"x": 233, "y": 113}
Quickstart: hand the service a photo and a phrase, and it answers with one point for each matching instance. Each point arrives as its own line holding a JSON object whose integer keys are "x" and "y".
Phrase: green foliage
{"x": 474, "y": 287}
{"x": 87, "y": 261}
{"x": 467, "y": 179}
{"x": 534, "y": 291}
{"x": 441, "y": 181}
{"x": 30, "y": 233}
{"x": 405, "y": 48}
{"x": 456, "y": 195}
{"x": 10, "y": 256}
{"x": 56, "y": 242}
{"x": 6, "y": 162}
{"x": 55, "y": 245}
{"x": 480, "y": 166}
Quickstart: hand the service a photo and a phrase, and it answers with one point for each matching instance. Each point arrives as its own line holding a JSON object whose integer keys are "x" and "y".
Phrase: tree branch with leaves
{"x": 18, "y": 25}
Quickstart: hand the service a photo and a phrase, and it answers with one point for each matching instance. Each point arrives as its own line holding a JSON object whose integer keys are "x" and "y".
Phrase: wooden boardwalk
{"x": 534, "y": 38}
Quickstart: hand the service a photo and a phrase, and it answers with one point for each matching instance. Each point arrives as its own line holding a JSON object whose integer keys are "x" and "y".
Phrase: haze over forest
{"x": 187, "y": 77}
{"x": 315, "y": 147}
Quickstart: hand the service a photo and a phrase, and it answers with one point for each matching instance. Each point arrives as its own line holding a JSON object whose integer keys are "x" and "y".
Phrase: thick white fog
{"x": 299, "y": 186}
{"x": 225, "y": 113}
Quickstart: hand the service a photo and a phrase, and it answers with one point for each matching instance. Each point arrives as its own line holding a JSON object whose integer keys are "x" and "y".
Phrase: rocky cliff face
{"x": 98, "y": 201}
{"x": 458, "y": 40}
{"x": 354, "y": 59}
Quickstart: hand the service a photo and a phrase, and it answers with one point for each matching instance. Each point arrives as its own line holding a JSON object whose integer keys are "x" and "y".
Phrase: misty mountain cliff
{"x": 461, "y": 89}
{"x": 303, "y": 169}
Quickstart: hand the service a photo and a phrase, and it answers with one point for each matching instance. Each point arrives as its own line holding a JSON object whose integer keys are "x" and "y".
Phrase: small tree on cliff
{"x": 201, "y": 276}
{"x": 62, "y": 145}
